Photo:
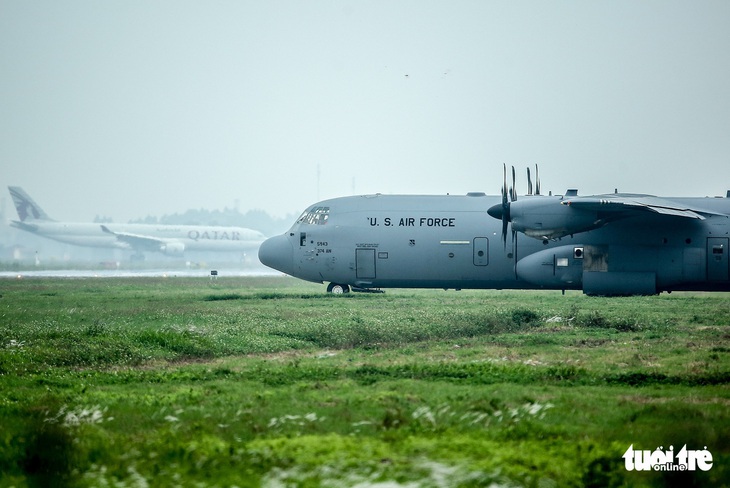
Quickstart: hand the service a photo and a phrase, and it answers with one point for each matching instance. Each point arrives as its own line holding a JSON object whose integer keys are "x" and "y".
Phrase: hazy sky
{"x": 136, "y": 108}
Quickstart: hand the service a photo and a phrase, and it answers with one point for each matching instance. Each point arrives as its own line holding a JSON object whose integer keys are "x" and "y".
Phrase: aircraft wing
{"x": 629, "y": 203}
{"x": 139, "y": 241}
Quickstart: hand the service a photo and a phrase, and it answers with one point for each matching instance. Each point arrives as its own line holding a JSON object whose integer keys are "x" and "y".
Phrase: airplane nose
{"x": 277, "y": 252}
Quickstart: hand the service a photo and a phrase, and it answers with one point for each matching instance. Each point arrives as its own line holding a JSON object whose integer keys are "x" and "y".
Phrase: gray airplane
{"x": 614, "y": 244}
{"x": 172, "y": 240}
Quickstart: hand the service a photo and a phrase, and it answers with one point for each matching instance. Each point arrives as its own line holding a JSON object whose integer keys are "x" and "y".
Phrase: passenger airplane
{"x": 172, "y": 240}
{"x": 616, "y": 244}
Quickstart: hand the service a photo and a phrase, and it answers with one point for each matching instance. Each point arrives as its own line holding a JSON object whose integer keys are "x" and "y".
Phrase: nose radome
{"x": 277, "y": 252}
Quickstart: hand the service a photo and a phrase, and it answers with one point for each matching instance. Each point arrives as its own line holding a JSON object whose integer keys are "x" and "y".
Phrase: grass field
{"x": 271, "y": 382}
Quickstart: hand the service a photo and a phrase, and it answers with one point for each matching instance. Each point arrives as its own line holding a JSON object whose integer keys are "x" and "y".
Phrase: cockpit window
{"x": 315, "y": 215}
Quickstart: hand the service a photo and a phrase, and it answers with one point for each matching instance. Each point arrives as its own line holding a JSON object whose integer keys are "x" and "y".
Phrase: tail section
{"x": 27, "y": 209}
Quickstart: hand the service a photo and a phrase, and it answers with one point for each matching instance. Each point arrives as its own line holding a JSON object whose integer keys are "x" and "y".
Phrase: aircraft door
{"x": 717, "y": 259}
{"x": 365, "y": 263}
{"x": 481, "y": 251}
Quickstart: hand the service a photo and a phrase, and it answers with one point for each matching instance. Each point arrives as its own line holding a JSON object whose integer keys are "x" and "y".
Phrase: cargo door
{"x": 365, "y": 264}
{"x": 717, "y": 259}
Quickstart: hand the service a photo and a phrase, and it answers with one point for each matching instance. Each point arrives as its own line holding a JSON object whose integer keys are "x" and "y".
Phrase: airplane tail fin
{"x": 27, "y": 209}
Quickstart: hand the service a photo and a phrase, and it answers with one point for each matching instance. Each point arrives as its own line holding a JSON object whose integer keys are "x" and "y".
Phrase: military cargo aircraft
{"x": 614, "y": 244}
{"x": 172, "y": 240}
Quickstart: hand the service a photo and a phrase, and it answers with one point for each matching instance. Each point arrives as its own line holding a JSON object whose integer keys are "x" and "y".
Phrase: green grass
{"x": 272, "y": 382}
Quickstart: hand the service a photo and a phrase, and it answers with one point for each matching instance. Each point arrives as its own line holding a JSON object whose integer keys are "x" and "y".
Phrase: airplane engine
{"x": 173, "y": 248}
{"x": 539, "y": 216}
{"x": 545, "y": 218}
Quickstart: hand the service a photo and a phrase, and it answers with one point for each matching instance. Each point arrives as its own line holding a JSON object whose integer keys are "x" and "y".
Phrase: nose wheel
{"x": 338, "y": 289}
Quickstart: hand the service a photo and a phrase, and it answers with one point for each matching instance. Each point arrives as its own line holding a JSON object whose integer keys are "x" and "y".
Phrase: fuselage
{"x": 191, "y": 237}
{"x": 410, "y": 241}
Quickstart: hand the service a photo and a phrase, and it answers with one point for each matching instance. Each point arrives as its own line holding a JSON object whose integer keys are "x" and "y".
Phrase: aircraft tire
{"x": 338, "y": 289}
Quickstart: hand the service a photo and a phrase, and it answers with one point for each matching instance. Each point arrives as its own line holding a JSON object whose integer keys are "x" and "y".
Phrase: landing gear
{"x": 338, "y": 289}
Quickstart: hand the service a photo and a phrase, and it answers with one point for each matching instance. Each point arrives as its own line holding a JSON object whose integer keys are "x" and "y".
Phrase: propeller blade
{"x": 505, "y": 206}
{"x": 537, "y": 182}
{"x": 504, "y": 186}
{"x": 513, "y": 192}
{"x": 529, "y": 182}
{"x": 505, "y": 222}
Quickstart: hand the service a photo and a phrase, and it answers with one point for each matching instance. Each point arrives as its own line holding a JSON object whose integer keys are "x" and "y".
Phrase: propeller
{"x": 509, "y": 195}
{"x": 501, "y": 211}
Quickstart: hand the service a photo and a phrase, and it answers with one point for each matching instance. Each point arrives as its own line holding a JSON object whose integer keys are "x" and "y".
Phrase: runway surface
{"x": 141, "y": 273}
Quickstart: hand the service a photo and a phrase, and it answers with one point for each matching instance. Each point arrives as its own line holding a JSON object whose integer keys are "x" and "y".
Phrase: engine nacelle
{"x": 545, "y": 218}
{"x": 173, "y": 248}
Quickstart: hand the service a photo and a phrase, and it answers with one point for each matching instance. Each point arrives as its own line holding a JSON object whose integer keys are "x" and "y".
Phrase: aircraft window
{"x": 562, "y": 262}
{"x": 315, "y": 216}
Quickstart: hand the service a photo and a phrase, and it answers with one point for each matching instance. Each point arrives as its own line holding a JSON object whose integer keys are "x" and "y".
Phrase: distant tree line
{"x": 253, "y": 219}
